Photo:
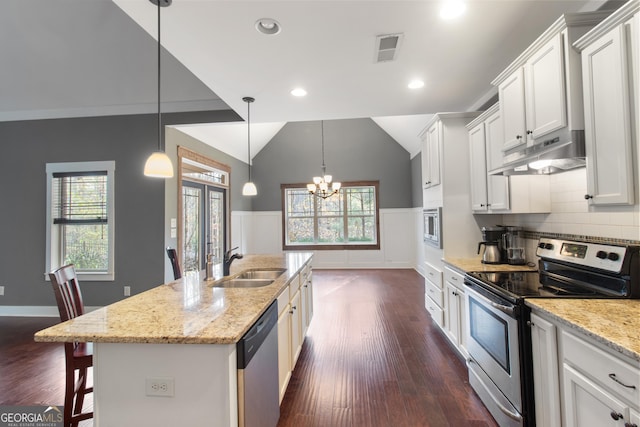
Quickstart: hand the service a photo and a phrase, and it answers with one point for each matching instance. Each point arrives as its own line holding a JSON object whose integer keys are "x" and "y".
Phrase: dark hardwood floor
{"x": 372, "y": 358}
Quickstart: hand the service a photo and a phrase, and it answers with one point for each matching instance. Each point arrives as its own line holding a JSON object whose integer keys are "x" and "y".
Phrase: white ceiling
{"x": 82, "y": 56}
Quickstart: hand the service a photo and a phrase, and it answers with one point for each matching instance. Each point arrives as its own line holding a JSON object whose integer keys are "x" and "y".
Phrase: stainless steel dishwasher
{"x": 257, "y": 352}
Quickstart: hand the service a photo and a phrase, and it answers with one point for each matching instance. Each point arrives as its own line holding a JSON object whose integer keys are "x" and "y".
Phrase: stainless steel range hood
{"x": 556, "y": 152}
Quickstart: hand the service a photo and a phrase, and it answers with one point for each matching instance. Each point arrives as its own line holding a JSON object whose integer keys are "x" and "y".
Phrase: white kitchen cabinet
{"x": 431, "y": 156}
{"x": 512, "y": 109}
{"x": 497, "y": 193}
{"x": 295, "y": 311}
{"x": 532, "y": 98}
{"x": 306, "y": 286}
{"x": 587, "y": 404}
{"x": 455, "y": 311}
{"x": 540, "y": 91}
{"x": 284, "y": 350}
{"x": 489, "y": 193}
{"x": 607, "y": 63}
{"x": 600, "y": 388}
{"x": 296, "y": 328}
{"x": 434, "y": 294}
{"x": 546, "y": 381}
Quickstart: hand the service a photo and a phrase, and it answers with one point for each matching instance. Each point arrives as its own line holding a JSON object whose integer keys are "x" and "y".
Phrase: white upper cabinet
{"x": 431, "y": 156}
{"x": 544, "y": 91}
{"x": 607, "y": 64}
{"x": 488, "y": 192}
{"x": 512, "y": 108}
{"x": 540, "y": 92}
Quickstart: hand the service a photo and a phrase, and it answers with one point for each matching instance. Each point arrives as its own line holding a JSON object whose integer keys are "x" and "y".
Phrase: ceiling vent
{"x": 387, "y": 47}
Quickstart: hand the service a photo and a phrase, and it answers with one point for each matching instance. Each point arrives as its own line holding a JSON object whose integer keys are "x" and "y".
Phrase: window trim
{"x": 352, "y": 246}
{"x": 52, "y": 233}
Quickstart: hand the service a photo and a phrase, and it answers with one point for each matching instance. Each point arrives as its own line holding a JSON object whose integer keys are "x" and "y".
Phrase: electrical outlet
{"x": 1, "y": 290}
{"x": 127, "y": 291}
{"x": 159, "y": 387}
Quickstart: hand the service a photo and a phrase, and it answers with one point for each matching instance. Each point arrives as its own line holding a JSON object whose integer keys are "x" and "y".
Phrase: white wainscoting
{"x": 261, "y": 232}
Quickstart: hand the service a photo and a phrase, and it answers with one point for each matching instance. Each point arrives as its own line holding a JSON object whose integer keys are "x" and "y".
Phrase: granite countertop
{"x": 475, "y": 264}
{"x": 186, "y": 311}
{"x": 612, "y": 322}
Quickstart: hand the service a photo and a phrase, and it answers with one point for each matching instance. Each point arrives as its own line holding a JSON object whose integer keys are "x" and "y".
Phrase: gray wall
{"x": 416, "y": 181}
{"x": 355, "y": 150}
{"x": 139, "y": 201}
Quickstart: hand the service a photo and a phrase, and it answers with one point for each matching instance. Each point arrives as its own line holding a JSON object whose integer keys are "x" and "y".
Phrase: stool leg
{"x": 68, "y": 395}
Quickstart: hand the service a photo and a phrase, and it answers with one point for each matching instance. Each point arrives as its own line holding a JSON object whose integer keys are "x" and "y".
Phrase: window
{"x": 346, "y": 220}
{"x": 80, "y": 218}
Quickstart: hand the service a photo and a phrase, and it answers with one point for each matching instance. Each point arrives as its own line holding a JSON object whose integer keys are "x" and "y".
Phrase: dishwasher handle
{"x": 249, "y": 344}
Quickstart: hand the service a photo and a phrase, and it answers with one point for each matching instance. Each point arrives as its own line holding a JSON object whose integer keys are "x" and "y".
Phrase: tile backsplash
{"x": 572, "y": 218}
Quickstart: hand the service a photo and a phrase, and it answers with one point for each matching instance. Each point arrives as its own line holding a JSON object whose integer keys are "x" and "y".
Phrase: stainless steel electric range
{"x": 498, "y": 335}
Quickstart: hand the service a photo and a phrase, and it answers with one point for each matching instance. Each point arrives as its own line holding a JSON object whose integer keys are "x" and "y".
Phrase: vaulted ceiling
{"x": 78, "y": 57}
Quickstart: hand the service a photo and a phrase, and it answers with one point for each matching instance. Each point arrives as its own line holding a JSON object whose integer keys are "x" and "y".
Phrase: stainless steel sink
{"x": 271, "y": 274}
{"x": 243, "y": 283}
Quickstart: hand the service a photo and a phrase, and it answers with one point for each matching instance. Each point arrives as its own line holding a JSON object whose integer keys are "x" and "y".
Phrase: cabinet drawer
{"x": 437, "y": 314}
{"x": 434, "y": 292}
{"x": 283, "y": 300}
{"x": 453, "y": 277}
{"x": 294, "y": 285}
{"x": 611, "y": 372}
{"x": 433, "y": 274}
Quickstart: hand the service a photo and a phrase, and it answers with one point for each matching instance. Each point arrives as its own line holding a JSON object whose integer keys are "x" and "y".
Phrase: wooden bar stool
{"x": 78, "y": 356}
{"x": 173, "y": 257}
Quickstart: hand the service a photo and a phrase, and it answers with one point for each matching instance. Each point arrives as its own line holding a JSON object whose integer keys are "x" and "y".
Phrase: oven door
{"x": 492, "y": 342}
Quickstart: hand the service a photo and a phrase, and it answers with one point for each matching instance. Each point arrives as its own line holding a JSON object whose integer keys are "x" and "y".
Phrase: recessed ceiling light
{"x": 452, "y": 9}
{"x": 298, "y": 92}
{"x": 415, "y": 84}
{"x": 268, "y": 26}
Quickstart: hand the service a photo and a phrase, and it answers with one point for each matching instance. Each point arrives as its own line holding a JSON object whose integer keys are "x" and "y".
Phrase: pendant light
{"x": 249, "y": 188}
{"x": 320, "y": 185}
{"x": 158, "y": 164}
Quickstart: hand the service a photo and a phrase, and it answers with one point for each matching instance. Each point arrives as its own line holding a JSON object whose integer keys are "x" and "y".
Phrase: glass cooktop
{"x": 522, "y": 284}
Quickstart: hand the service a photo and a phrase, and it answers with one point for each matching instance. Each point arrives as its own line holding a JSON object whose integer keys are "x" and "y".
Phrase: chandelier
{"x": 320, "y": 185}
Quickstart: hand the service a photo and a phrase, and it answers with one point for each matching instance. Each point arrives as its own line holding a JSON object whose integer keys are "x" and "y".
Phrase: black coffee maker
{"x": 492, "y": 241}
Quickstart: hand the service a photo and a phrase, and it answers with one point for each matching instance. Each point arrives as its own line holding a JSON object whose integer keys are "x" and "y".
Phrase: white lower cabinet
{"x": 455, "y": 310}
{"x": 545, "y": 372}
{"x": 581, "y": 383}
{"x": 587, "y": 404}
{"x": 295, "y": 311}
{"x": 433, "y": 294}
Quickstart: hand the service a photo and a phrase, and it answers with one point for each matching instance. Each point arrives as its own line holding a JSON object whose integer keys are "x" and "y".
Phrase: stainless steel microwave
{"x": 432, "y": 227}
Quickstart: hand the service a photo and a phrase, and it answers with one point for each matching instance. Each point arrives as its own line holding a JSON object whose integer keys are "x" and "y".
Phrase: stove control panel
{"x": 596, "y": 255}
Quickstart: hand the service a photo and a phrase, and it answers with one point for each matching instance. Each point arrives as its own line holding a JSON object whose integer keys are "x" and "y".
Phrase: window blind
{"x": 79, "y": 197}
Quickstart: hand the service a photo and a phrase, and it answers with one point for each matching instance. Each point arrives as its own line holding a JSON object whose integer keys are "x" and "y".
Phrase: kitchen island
{"x": 185, "y": 331}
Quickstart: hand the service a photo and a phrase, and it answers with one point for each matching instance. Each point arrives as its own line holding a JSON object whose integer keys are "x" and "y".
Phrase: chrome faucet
{"x": 228, "y": 259}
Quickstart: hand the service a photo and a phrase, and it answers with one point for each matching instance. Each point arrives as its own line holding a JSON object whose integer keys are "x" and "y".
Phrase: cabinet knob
{"x": 616, "y": 415}
{"x": 427, "y": 183}
{"x": 530, "y": 323}
{"x": 518, "y": 136}
{"x": 588, "y": 196}
{"x": 529, "y": 132}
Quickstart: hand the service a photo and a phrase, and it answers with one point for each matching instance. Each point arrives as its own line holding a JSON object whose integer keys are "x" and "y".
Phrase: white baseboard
{"x": 34, "y": 310}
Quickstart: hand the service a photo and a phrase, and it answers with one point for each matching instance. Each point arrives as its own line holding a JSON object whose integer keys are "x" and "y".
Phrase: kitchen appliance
{"x": 555, "y": 152}
{"x": 498, "y": 335}
{"x": 513, "y": 244}
{"x": 492, "y": 253}
{"x": 257, "y": 359}
{"x": 432, "y": 227}
{"x": 492, "y": 241}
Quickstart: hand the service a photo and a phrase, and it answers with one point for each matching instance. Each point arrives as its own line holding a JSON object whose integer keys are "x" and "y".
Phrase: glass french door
{"x": 204, "y": 228}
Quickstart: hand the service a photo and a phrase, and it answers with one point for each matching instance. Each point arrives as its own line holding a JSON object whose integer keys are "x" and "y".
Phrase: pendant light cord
{"x": 324, "y": 167}
{"x": 249, "y": 138}
{"x": 159, "y": 115}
